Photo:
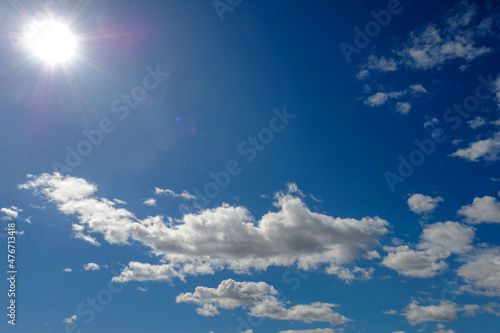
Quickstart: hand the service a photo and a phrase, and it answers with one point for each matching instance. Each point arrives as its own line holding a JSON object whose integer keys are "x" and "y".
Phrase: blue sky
{"x": 253, "y": 166}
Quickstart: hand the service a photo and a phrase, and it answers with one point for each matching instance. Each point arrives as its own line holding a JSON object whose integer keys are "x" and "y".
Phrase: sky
{"x": 250, "y": 166}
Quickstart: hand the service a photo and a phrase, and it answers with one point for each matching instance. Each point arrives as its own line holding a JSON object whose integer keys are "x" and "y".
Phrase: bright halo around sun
{"x": 51, "y": 41}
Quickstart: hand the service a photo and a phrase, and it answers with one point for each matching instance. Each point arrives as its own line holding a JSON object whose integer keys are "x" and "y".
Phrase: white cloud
{"x": 423, "y": 204}
{"x": 377, "y": 99}
{"x": 390, "y": 312}
{"x": 121, "y": 202}
{"x": 493, "y": 308}
{"x": 403, "y": 107}
{"x": 91, "y": 267}
{"x": 433, "y": 45}
{"x": 363, "y": 74}
{"x": 142, "y": 289}
{"x": 488, "y": 150}
{"x": 477, "y": 122}
{"x": 70, "y": 320}
{"x": 184, "y": 195}
{"x": 437, "y": 242}
{"x": 317, "y": 330}
{"x": 444, "y": 311}
{"x": 222, "y": 237}
{"x": 448, "y": 236}
{"x": 482, "y": 272}
{"x": 259, "y": 298}
{"x": 67, "y": 270}
{"x": 87, "y": 238}
{"x": 381, "y": 64}
{"x": 150, "y": 202}
{"x": 431, "y": 122}
{"x": 136, "y": 271}
{"x": 419, "y": 264}
{"x": 482, "y": 210}
{"x": 10, "y": 213}
{"x": 442, "y": 329}
{"x": 380, "y": 98}
{"x": 418, "y": 88}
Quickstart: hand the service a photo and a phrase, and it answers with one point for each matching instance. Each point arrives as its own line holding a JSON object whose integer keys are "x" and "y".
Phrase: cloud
{"x": 444, "y": 311}
{"x": 10, "y": 213}
{"x": 222, "y": 237}
{"x": 67, "y": 270}
{"x": 493, "y": 308}
{"x": 488, "y": 150}
{"x": 381, "y": 97}
{"x": 142, "y": 289}
{"x": 136, "y": 271}
{"x": 418, "y": 89}
{"x": 433, "y": 45}
{"x": 91, "y": 267}
{"x": 437, "y": 242}
{"x": 482, "y": 210}
{"x": 477, "y": 122}
{"x": 317, "y": 330}
{"x": 423, "y": 204}
{"x": 150, "y": 202}
{"x": 379, "y": 64}
{"x": 482, "y": 272}
{"x": 70, "y": 320}
{"x": 441, "y": 329}
{"x": 184, "y": 195}
{"x": 390, "y": 312}
{"x": 432, "y": 122}
{"x": 259, "y": 298}
{"x": 448, "y": 236}
{"x": 403, "y": 107}
{"x": 408, "y": 262}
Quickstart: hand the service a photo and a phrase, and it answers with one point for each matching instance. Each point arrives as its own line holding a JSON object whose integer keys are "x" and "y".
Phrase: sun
{"x": 51, "y": 41}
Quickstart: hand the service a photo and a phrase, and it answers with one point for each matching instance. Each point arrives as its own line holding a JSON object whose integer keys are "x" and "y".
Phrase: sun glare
{"x": 51, "y": 41}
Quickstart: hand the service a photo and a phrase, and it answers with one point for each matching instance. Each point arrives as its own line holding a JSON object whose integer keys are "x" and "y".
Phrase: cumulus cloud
{"x": 10, "y": 213}
{"x": 423, "y": 204}
{"x": 380, "y": 98}
{"x": 437, "y": 242}
{"x": 403, "y": 107}
{"x": 317, "y": 330}
{"x": 67, "y": 270}
{"x": 482, "y": 272}
{"x": 444, "y": 311}
{"x": 435, "y": 44}
{"x": 412, "y": 263}
{"x": 184, "y": 194}
{"x": 70, "y": 320}
{"x": 379, "y": 64}
{"x": 91, "y": 267}
{"x": 222, "y": 237}
{"x": 150, "y": 202}
{"x": 482, "y": 210}
{"x": 259, "y": 298}
{"x": 442, "y": 329}
{"x": 477, "y": 122}
{"x": 488, "y": 150}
